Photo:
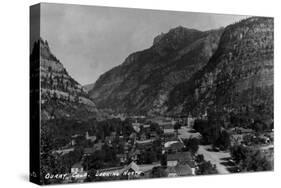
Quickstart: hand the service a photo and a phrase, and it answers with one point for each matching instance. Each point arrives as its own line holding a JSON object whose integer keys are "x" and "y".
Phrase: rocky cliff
{"x": 238, "y": 77}
{"x": 142, "y": 83}
{"x": 61, "y": 95}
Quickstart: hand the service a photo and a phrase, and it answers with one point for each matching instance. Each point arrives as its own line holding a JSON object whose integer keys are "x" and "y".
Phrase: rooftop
{"x": 168, "y": 131}
{"x": 181, "y": 157}
{"x": 77, "y": 165}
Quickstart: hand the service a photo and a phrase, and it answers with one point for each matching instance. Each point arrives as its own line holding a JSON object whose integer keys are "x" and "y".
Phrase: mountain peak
{"x": 175, "y": 39}
{"x": 177, "y": 32}
{"x": 45, "y": 51}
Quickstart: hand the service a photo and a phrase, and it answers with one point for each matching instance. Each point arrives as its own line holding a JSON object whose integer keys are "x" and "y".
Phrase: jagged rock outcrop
{"x": 143, "y": 82}
{"x": 238, "y": 78}
{"x": 61, "y": 95}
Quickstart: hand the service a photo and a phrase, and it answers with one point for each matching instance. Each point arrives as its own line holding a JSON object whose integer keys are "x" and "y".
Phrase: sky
{"x": 91, "y": 40}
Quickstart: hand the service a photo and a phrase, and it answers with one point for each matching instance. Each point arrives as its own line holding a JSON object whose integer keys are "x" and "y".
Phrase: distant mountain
{"x": 61, "y": 95}
{"x": 238, "y": 78}
{"x": 143, "y": 82}
{"x": 89, "y": 87}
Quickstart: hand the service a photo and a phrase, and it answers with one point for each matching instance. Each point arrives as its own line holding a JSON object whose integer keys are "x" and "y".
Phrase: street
{"x": 216, "y": 158}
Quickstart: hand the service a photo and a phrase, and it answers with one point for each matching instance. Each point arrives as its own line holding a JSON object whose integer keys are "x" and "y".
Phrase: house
{"x": 184, "y": 170}
{"x": 142, "y": 136}
{"x": 134, "y": 155}
{"x": 180, "y": 158}
{"x": 171, "y": 172}
{"x": 264, "y": 139}
{"x": 131, "y": 170}
{"x": 136, "y": 128}
{"x": 170, "y": 134}
{"x": 74, "y": 139}
{"x": 91, "y": 138}
{"x": 77, "y": 168}
{"x": 146, "y": 126}
{"x": 182, "y": 161}
{"x": 122, "y": 158}
{"x": 88, "y": 151}
{"x": 169, "y": 143}
{"x": 236, "y": 139}
{"x": 180, "y": 170}
{"x": 175, "y": 147}
{"x": 169, "y": 131}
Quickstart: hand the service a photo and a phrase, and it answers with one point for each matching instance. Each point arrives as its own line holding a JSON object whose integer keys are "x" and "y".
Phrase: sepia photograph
{"x": 129, "y": 94}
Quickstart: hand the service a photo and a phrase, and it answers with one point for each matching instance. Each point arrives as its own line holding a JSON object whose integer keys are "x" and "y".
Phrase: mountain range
{"x": 143, "y": 82}
{"x": 185, "y": 71}
{"x": 190, "y": 71}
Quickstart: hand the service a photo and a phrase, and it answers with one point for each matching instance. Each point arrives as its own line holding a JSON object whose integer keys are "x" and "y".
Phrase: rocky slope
{"x": 143, "y": 82}
{"x": 61, "y": 95}
{"x": 237, "y": 79}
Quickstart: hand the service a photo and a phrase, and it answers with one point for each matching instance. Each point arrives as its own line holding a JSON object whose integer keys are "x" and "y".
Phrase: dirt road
{"x": 215, "y": 158}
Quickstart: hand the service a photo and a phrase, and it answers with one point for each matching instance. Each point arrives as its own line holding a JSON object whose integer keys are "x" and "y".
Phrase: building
{"x": 77, "y": 168}
{"x": 175, "y": 147}
{"x": 180, "y": 170}
{"x": 181, "y": 161}
{"x": 63, "y": 151}
{"x": 236, "y": 139}
{"x": 180, "y": 158}
{"x": 190, "y": 121}
{"x": 88, "y": 151}
{"x": 91, "y": 138}
{"x": 170, "y": 134}
{"x": 144, "y": 144}
{"x": 74, "y": 139}
{"x": 122, "y": 158}
{"x": 134, "y": 155}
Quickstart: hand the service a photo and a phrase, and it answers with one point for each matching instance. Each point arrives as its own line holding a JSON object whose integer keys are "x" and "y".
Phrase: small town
{"x": 145, "y": 147}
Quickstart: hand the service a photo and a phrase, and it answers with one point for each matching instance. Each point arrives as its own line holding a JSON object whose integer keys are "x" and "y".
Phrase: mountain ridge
{"x": 61, "y": 95}
{"x": 238, "y": 76}
{"x": 174, "y": 52}
{"x": 164, "y": 78}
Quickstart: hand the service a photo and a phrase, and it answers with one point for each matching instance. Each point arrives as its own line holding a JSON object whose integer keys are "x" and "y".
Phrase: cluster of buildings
{"x": 178, "y": 161}
{"x": 249, "y": 137}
